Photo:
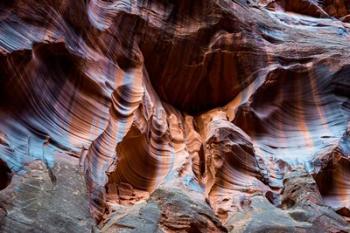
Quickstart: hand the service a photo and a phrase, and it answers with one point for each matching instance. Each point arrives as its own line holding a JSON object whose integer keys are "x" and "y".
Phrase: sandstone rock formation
{"x": 38, "y": 202}
{"x": 174, "y": 116}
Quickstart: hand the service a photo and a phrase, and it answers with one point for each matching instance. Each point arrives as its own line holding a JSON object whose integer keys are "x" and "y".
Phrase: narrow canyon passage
{"x": 174, "y": 116}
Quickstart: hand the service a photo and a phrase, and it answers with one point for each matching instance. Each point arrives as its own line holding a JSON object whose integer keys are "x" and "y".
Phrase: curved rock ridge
{"x": 186, "y": 116}
{"x": 331, "y": 175}
{"x": 316, "y": 8}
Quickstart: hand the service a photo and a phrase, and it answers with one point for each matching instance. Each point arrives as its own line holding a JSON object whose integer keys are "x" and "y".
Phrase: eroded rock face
{"x": 332, "y": 169}
{"x": 168, "y": 210}
{"x": 302, "y": 210}
{"x": 186, "y": 116}
{"x": 303, "y": 201}
{"x": 46, "y": 200}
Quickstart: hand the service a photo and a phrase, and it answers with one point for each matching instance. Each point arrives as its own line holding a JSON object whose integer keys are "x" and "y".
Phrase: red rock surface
{"x": 186, "y": 116}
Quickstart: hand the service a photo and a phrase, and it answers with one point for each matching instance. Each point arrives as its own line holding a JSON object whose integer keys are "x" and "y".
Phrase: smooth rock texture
{"x": 174, "y": 116}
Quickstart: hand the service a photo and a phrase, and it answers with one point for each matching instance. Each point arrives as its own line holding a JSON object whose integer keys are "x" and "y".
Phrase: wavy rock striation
{"x": 186, "y": 116}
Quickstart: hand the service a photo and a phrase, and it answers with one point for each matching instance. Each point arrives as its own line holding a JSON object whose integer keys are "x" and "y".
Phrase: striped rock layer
{"x": 224, "y": 106}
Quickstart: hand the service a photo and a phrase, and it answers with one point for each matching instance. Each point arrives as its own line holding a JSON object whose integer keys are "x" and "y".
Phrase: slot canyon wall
{"x": 174, "y": 116}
